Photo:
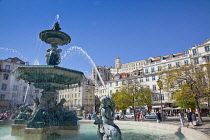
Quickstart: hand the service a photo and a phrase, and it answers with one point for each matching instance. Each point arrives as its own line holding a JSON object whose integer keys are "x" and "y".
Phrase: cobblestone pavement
{"x": 204, "y": 127}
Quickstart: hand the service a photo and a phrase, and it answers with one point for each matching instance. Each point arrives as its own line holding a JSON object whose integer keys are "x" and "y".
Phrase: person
{"x": 158, "y": 117}
{"x": 181, "y": 117}
{"x": 93, "y": 116}
{"x": 89, "y": 116}
{"x": 141, "y": 116}
{"x": 189, "y": 118}
{"x": 137, "y": 116}
{"x": 6, "y": 116}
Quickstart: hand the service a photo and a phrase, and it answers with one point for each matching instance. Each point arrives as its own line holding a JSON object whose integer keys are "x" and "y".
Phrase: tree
{"x": 132, "y": 95}
{"x": 187, "y": 81}
{"x": 183, "y": 99}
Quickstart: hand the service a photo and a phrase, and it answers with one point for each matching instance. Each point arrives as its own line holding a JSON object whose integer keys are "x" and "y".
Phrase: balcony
{"x": 5, "y": 70}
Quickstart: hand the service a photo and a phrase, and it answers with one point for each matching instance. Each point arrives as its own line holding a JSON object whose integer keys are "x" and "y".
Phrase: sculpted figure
{"x": 107, "y": 112}
{"x": 23, "y": 114}
{"x": 63, "y": 115}
{"x": 53, "y": 55}
{"x": 36, "y": 104}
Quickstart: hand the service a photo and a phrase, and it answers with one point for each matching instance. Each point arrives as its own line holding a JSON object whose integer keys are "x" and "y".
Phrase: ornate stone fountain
{"x": 49, "y": 116}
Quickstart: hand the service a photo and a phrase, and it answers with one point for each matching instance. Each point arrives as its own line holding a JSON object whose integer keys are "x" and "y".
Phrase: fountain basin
{"x": 130, "y": 131}
{"x": 49, "y": 77}
{"x": 55, "y": 37}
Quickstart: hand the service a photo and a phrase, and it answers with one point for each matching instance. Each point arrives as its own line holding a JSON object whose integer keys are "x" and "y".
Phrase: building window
{"x": 162, "y": 96}
{"x": 15, "y": 88}
{"x": 186, "y": 52}
{"x": 207, "y": 58}
{"x": 147, "y": 87}
{"x": 147, "y": 79}
{"x": 110, "y": 92}
{"x": 2, "y": 96}
{"x": 153, "y": 77}
{"x": 6, "y": 76}
{"x": 116, "y": 83}
{"x": 159, "y": 68}
{"x": 155, "y": 98}
{"x": 110, "y": 84}
{"x": 152, "y": 69}
{"x": 186, "y": 62}
{"x": 7, "y": 68}
{"x": 24, "y": 88}
{"x": 207, "y": 48}
{"x": 194, "y": 51}
{"x": 196, "y": 61}
{"x": 4, "y": 87}
{"x": 146, "y": 71}
{"x": 153, "y": 87}
{"x": 177, "y": 64}
{"x": 149, "y": 61}
{"x": 141, "y": 80}
{"x": 169, "y": 66}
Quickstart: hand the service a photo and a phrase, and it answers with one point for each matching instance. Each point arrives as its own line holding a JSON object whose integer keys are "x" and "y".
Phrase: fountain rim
{"x": 43, "y": 33}
{"x": 46, "y": 66}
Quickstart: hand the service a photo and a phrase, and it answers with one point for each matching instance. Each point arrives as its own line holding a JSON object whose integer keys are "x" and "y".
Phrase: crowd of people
{"x": 89, "y": 115}
{"x": 5, "y": 116}
{"x": 190, "y": 117}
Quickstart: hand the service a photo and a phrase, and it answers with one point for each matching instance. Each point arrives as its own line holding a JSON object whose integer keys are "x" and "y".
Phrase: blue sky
{"x": 130, "y": 29}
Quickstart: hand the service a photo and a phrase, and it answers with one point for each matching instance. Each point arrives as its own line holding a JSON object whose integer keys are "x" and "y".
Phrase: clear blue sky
{"x": 130, "y": 29}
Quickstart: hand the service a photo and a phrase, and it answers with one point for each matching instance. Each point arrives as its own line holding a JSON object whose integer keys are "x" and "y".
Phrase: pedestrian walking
{"x": 181, "y": 117}
{"x": 137, "y": 116}
{"x": 189, "y": 118}
{"x": 141, "y": 116}
{"x": 158, "y": 117}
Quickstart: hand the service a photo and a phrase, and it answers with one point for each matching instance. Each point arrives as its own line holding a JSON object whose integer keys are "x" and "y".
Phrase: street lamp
{"x": 160, "y": 85}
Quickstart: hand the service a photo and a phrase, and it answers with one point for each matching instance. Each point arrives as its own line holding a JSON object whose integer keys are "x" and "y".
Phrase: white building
{"x": 146, "y": 71}
{"x": 12, "y": 91}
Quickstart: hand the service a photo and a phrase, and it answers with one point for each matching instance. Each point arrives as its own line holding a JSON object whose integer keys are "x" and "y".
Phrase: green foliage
{"x": 132, "y": 96}
{"x": 183, "y": 98}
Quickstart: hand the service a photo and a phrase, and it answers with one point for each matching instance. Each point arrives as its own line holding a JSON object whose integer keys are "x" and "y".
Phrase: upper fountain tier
{"x": 55, "y": 36}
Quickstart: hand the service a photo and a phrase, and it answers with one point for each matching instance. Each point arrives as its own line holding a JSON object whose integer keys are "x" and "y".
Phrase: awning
{"x": 157, "y": 106}
{"x": 168, "y": 108}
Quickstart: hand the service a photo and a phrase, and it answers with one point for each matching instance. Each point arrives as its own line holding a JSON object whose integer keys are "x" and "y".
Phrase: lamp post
{"x": 160, "y": 85}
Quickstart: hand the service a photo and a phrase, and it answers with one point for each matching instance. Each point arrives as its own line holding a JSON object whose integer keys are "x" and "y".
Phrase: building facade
{"x": 145, "y": 72}
{"x": 12, "y": 91}
{"x": 79, "y": 97}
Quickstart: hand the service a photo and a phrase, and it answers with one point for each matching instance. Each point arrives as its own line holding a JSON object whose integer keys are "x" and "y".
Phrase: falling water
{"x": 89, "y": 58}
{"x": 15, "y": 51}
{"x": 26, "y": 93}
{"x": 36, "y": 62}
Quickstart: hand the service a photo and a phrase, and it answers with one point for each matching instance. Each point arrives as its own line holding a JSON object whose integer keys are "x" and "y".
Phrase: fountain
{"x": 49, "y": 116}
{"x": 50, "y": 121}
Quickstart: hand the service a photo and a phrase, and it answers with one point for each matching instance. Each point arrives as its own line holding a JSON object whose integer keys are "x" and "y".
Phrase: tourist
{"x": 158, "y": 117}
{"x": 189, "y": 118}
{"x": 93, "y": 116}
{"x": 141, "y": 116}
{"x": 89, "y": 116}
{"x": 6, "y": 116}
{"x": 181, "y": 116}
{"x": 137, "y": 116}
